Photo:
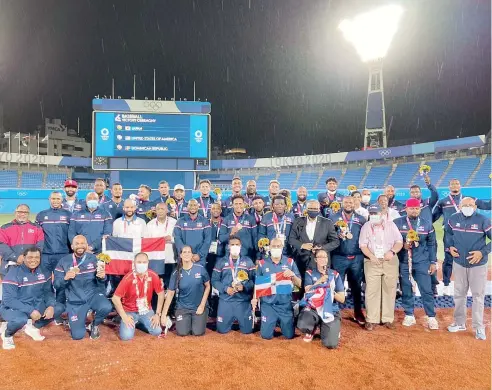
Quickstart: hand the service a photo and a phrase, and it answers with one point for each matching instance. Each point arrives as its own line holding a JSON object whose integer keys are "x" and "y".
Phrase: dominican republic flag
{"x": 273, "y": 284}
{"x": 122, "y": 251}
{"x": 320, "y": 298}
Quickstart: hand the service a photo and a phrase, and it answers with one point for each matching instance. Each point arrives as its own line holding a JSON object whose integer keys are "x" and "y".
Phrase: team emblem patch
{"x": 263, "y": 319}
{"x": 30, "y": 231}
{"x": 74, "y": 318}
{"x": 41, "y": 277}
{"x": 45, "y": 217}
{"x": 474, "y": 226}
{"x": 197, "y": 275}
{"x": 179, "y": 318}
{"x": 90, "y": 266}
{"x": 219, "y": 319}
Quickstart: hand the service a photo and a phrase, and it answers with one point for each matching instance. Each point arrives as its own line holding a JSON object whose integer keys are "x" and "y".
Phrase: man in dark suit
{"x": 309, "y": 234}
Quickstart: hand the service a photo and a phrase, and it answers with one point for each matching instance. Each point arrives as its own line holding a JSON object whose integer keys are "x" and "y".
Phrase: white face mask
{"x": 467, "y": 211}
{"x": 375, "y": 218}
{"x": 235, "y": 250}
{"x": 332, "y": 192}
{"x": 276, "y": 252}
{"x": 141, "y": 268}
{"x": 366, "y": 198}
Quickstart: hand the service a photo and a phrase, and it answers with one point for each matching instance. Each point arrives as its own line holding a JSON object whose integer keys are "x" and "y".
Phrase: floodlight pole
{"x": 375, "y": 130}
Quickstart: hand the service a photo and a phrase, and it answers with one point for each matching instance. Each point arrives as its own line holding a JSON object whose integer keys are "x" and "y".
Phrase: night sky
{"x": 280, "y": 76}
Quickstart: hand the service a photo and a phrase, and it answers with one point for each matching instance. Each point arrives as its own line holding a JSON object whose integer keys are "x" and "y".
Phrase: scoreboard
{"x": 150, "y": 135}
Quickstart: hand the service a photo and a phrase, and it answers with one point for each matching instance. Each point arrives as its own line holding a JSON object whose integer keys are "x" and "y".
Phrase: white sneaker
{"x": 3, "y": 327}
{"x": 432, "y": 323}
{"x": 409, "y": 321}
{"x": 33, "y": 333}
{"x": 7, "y": 342}
{"x": 447, "y": 291}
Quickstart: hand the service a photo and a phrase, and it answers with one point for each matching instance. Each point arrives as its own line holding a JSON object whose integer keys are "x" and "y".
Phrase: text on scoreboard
{"x": 151, "y": 135}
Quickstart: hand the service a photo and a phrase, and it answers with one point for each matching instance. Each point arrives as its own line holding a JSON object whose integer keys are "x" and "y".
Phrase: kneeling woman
{"x": 324, "y": 288}
{"x": 192, "y": 283}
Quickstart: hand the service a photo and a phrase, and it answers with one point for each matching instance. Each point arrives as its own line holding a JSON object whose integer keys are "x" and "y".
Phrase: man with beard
{"x": 258, "y": 209}
{"x": 277, "y": 224}
{"x": 426, "y": 205}
{"x": 193, "y": 230}
{"x": 99, "y": 189}
{"x": 417, "y": 262}
{"x": 273, "y": 191}
{"x": 205, "y": 201}
{"x": 331, "y": 195}
{"x": 241, "y": 225}
{"x": 348, "y": 259}
{"x": 300, "y": 206}
{"x": 83, "y": 281}
{"x": 71, "y": 203}
{"x": 115, "y": 205}
{"x": 144, "y": 203}
{"x": 180, "y": 209}
{"x": 217, "y": 248}
{"x": 237, "y": 186}
{"x": 129, "y": 225}
{"x": 389, "y": 191}
{"x": 446, "y": 207}
{"x": 250, "y": 192}
{"x": 163, "y": 192}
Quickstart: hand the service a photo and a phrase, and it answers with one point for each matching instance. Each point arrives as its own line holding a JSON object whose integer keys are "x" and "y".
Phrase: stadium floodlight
{"x": 371, "y": 34}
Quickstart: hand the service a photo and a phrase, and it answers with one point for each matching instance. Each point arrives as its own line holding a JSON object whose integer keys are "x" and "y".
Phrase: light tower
{"x": 371, "y": 34}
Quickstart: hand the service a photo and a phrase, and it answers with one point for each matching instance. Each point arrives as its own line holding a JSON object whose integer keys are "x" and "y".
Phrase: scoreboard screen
{"x": 151, "y": 141}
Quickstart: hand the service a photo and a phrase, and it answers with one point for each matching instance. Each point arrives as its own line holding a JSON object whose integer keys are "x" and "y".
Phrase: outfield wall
{"x": 37, "y": 199}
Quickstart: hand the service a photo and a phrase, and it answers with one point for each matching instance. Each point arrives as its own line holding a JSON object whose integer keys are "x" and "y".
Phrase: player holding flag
{"x": 324, "y": 288}
{"x": 274, "y": 279}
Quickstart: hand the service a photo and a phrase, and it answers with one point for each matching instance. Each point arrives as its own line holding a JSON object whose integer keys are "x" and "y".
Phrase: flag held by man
{"x": 273, "y": 284}
{"x": 122, "y": 251}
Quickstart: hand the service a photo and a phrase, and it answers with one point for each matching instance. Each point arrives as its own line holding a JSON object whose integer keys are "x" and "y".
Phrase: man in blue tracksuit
{"x": 93, "y": 222}
{"x": 233, "y": 277}
{"x": 115, "y": 205}
{"x": 277, "y": 224}
{"x": 239, "y": 224}
{"x": 54, "y": 222}
{"x": 423, "y": 256}
{"x": 83, "y": 281}
{"x": 331, "y": 195}
{"x": 237, "y": 186}
{"x": 348, "y": 259}
{"x": 205, "y": 201}
{"x": 465, "y": 240}
{"x": 446, "y": 207}
{"x": 277, "y": 308}
{"x": 144, "y": 204}
{"x": 389, "y": 191}
{"x": 426, "y": 206}
{"x": 27, "y": 294}
{"x": 71, "y": 202}
{"x": 193, "y": 230}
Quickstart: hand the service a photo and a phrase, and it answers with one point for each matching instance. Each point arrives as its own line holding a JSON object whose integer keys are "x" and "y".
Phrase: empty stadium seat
{"x": 32, "y": 180}
{"x": 308, "y": 179}
{"x": 352, "y": 177}
{"x": 287, "y": 180}
{"x": 403, "y": 175}
{"x": 263, "y": 181}
{"x": 461, "y": 170}
{"x": 55, "y": 180}
{"x": 482, "y": 176}
{"x": 8, "y": 179}
{"x": 336, "y": 173}
{"x": 437, "y": 169}
{"x": 377, "y": 176}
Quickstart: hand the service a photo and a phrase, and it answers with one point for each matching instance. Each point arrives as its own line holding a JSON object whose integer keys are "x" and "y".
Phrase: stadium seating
{"x": 308, "y": 180}
{"x": 461, "y": 170}
{"x": 336, "y": 173}
{"x": 55, "y": 180}
{"x": 352, "y": 176}
{"x": 287, "y": 180}
{"x": 377, "y": 176}
{"x": 482, "y": 177}
{"x": 263, "y": 181}
{"x": 32, "y": 180}
{"x": 403, "y": 174}
{"x": 9, "y": 179}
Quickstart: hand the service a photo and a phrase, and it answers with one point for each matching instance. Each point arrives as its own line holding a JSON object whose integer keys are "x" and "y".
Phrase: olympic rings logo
{"x": 153, "y": 105}
{"x": 384, "y": 152}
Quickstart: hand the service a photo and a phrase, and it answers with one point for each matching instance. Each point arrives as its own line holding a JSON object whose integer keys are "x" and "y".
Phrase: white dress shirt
{"x": 136, "y": 228}
{"x": 390, "y": 215}
{"x": 362, "y": 211}
{"x": 156, "y": 229}
{"x": 311, "y": 227}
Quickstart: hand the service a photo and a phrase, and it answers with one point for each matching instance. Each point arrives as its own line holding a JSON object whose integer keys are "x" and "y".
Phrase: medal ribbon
{"x": 278, "y": 229}
{"x": 146, "y": 286}
{"x": 234, "y": 268}
{"x": 349, "y": 223}
{"x": 454, "y": 203}
{"x": 204, "y": 208}
{"x": 75, "y": 260}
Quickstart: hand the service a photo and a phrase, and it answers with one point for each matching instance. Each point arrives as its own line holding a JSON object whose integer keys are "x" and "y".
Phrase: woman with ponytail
{"x": 191, "y": 283}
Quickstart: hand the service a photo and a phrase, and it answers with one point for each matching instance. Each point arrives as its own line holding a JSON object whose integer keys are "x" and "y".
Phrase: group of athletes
{"x": 243, "y": 261}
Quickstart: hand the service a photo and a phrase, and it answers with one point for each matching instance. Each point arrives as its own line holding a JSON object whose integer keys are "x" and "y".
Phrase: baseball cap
{"x": 179, "y": 187}
{"x": 412, "y": 202}
{"x": 374, "y": 208}
{"x": 70, "y": 183}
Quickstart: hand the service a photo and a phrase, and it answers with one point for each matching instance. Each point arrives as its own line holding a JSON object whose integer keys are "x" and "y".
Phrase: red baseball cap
{"x": 412, "y": 202}
{"x": 71, "y": 183}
